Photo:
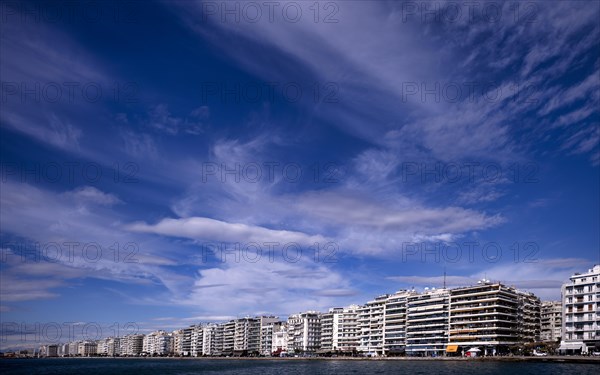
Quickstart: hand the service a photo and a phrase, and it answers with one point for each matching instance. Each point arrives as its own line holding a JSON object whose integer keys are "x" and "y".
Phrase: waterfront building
{"x": 228, "y": 338}
{"x": 197, "y": 340}
{"x": 339, "y": 329}
{"x": 212, "y": 339}
{"x": 427, "y": 323}
{"x": 268, "y": 326}
{"x": 73, "y": 348}
{"x": 304, "y": 332}
{"x": 395, "y": 323}
{"x": 87, "y": 348}
{"x": 157, "y": 343}
{"x": 483, "y": 316}
{"x": 528, "y": 317}
{"x": 109, "y": 346}
{"x": 581, "y": 312}
{"x": 280, "y": 339}
{"x": 551, "y": 321}
{"x": 132, "y": 345}
{"x": 371, "y": 325}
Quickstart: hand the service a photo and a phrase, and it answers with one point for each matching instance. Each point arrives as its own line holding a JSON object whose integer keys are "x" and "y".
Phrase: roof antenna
{"x": 444, "y": 277}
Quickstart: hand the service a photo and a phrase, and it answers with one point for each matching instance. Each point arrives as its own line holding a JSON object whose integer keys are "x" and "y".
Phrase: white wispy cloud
{"x": 202, "y": 228}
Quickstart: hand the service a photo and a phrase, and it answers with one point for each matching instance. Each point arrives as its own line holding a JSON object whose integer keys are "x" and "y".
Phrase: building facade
{"x": 304, "y": 332}
{"x": 483, "y": 316}
{"x": 395, "y": 323}
{"x": 427, "y": 323}
{"x": 551, "y": 321}
{"x": 581, "y": 312}
{"x": 371, "y": 322}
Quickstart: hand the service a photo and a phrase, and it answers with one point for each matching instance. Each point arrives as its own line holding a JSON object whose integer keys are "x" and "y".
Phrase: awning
{"x": 571, "y": 345}
{"x": 451, "y": 348}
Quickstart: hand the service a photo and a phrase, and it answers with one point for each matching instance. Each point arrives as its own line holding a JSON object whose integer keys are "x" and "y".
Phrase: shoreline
{"x": 553, "y": 359}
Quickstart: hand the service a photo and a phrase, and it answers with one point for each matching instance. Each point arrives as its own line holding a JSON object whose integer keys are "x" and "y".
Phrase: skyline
{"x": 148, "y": 150}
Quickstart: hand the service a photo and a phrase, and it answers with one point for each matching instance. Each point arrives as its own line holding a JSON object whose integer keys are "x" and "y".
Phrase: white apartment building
{"x": 177, "y": 341}
{"x": 304, "y": 332}
{"x": 157, "y": 343}
{"x": 268, "y": 326}
{"x": 73, "y": 348}
{"x": 280, "y": 339}
{"x": 483, "y": 316}
{"x": 427, "y": 323}
{"x": 528, "y": 317}
{"x": 339, "y": 329}
{"x": 87, "y": 348}
{"x": 197, "y": 340}
{"x": 132, "y": 345}
{"x": 109, "y": 346}
{"x": 551, "y": 321}
{"x": 212, "y": 339}
{"x": 228, "y": 339}
{"x": 581, "y": 312}
{"x": 248, "y": 334}
{"x": 395, "y": 323}
{"x": 371, "y": 324}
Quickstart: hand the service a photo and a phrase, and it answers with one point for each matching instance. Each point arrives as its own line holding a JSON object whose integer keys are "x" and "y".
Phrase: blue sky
{"x": 400, "y": 139}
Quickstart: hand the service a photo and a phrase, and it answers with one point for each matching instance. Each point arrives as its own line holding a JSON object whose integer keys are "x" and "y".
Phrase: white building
{"x": 339, "y": 329}
{"x": 581, "y": 312}
{"x": 280, "y": 339}
{"x": 528, "y": 317}
{"x": 395, "y": 323}
{"x": 304, "y": 332}
{"x": 197, "y": 340}
{"x": 212, "y": 339}
{"x": 427, "y": 323}
{"x": 371, "y": 323}
{"x": 483, "y": 316}
{"x": 132, "y": 345}
{"x": 551, "y": 321}
{"x": 158, "y": 343}
{"x": 108, "y": 347}
{"x": 268, "y": 326}
{"x": 87, "y": 348}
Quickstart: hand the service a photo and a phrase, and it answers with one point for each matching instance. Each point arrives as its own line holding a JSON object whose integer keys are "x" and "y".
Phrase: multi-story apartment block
{"x": 158, "y": 343}
{"x": 484, "y": 316}
{"x": 109, "y": 346}
{"x": 269, "y": 325}
{"x": 63, "y": 350}
{"x": 177, "y": 342}
{"x": 87, "y": 348}
{"x": 581, "y": 312}
{"x": 551, "y": 321}
{"x": 371, "y": 323}
{"x": 395, "y": 323}
{"x": 228, "y": 338}
{"x": 280, "y": 339}
{"x": 247, "y": 335}
{"x": 197, "y": 340}
{"x": 304, "y": 332}
{"x": 339, "y": 329}
{"x": 212, "y": 339}
{"x": 73, "y": 348}
{"x": 132, "y": 345}
{"x": 427, "y": 322}
{"x": 528, "y": 317}
{"x": 327, "y": 328}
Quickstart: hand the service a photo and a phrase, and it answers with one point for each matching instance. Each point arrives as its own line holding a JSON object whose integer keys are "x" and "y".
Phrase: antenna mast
{"x": 444, "y": 277}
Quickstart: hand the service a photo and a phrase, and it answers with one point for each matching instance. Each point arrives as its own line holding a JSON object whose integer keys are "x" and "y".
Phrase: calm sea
{"x": 90, "y": 366}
